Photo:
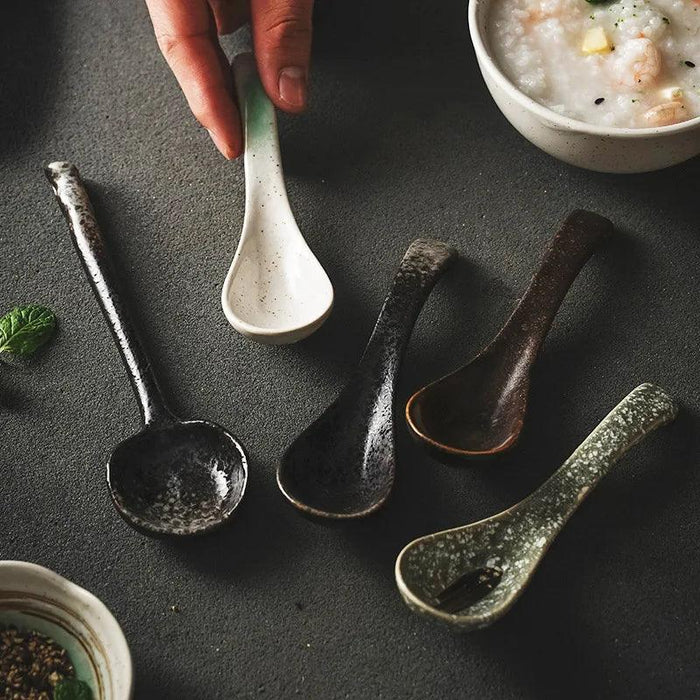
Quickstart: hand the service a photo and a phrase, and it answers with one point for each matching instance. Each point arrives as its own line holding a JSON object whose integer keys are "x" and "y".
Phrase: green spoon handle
{"x": 262, "y": 158}
{"x": 643, "y": 410}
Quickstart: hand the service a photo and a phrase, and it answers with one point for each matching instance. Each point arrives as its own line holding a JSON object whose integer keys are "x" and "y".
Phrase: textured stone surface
{"x": 402, "y": 140}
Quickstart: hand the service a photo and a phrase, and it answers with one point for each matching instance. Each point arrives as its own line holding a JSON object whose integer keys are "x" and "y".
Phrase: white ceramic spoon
{"x": 276, "y": 290}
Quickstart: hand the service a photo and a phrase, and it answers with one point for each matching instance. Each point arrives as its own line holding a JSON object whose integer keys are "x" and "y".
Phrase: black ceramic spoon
{"x": 173, "y": 477}
{"x": 342, "y": 466}
{"x": 478, "y": 410}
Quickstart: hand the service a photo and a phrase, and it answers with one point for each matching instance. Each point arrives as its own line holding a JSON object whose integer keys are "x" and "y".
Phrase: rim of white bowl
{"x": 109, "y": 631}
{"x": 566, "y": 123}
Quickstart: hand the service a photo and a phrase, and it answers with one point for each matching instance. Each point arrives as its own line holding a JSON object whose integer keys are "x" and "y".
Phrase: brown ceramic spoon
{"x": 478, "y": 410}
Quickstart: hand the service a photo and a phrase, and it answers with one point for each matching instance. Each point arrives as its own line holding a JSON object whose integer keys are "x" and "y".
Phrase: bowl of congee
{"x": 608, "y": 86}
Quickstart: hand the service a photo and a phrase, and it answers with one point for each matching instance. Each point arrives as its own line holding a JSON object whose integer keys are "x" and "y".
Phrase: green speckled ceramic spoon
{"x": 470, "y": 576}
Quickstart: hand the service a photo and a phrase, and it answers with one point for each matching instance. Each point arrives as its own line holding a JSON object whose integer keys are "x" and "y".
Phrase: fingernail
{"x": 224, "y": 148}
{"x": 292, "y": 86}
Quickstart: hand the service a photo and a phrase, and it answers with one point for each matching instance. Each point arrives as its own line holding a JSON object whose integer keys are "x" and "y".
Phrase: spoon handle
{"x": 643, "y": 410}
{"x": 264, "y": 182}
{"x": 89, "y": 244}
{"x": 566, "y": 254}
{"x": 421, "y": 266}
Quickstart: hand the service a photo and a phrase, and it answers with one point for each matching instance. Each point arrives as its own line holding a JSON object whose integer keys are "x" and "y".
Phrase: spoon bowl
{"x": 342, "y": 465}
{"x": 470, "y": 576}
{"x": 276, "y": 291}
{"x": 173, "y": 477}
{"x": 467, "y": 413}
{"x": 479, "y": 410}
{"x": 182, "y": 478}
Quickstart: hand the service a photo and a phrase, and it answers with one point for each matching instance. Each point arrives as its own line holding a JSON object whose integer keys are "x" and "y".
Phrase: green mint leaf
{"x": 72, "y": 689}
{"x": 26, "y": 328}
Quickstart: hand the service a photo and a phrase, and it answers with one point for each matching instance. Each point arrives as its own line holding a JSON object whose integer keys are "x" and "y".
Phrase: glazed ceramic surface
{"x": 174, "y": 477}
{"x": 34, "y": 598}
{"x": 276, "y": 290}
{"x": 342, "y": 466}
{"x": 495, "y": 558}
{"x": 610, "y": 149}
{"x": 478, "y": 410}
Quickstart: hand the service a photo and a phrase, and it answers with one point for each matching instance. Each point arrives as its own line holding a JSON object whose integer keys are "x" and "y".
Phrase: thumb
{"x": 282, "y": 40}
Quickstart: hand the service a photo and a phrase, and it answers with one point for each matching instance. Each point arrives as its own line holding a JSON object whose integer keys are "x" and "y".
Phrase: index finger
{"x": 186, "y": 36}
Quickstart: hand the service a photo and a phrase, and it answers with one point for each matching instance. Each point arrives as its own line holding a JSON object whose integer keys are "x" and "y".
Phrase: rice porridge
{"x": 631, "y": 63}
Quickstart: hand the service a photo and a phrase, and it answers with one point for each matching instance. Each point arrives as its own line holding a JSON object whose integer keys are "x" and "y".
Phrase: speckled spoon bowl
{"x": 342, "y": 465}
{"x": 173, "y": 477}
{"x": 276, "y": 291}
{"x": 470, "y": 576}
{"x": 478, "y": 410}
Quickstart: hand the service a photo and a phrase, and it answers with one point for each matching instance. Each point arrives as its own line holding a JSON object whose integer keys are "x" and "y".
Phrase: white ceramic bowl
{"x": 606, "y": 149}
{"x": 32, "y": 597}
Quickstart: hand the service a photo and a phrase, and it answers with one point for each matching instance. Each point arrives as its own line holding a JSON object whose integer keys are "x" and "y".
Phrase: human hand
{"x": 187, "y": 34}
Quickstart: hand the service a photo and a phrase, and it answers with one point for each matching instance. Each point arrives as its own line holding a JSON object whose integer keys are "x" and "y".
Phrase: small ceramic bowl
{"x": 35, "y": 598}
{"x": 605, "y": 149}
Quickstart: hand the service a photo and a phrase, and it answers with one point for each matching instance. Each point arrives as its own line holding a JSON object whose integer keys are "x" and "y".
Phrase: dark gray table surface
{"x": 402, "y": 140}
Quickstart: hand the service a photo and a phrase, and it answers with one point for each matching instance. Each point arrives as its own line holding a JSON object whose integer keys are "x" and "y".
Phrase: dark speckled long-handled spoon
{"x": 173, "y": 477}
{"x": 342, "y": 466}
{"x": 470, "y": 576}
{"x": 478, "y": 410}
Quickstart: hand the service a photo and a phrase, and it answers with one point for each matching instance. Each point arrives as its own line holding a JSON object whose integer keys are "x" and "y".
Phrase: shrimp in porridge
{"x": 540, "y": 10}
{"x": 637, "y": 63}
{"x": 665, "y": 114}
